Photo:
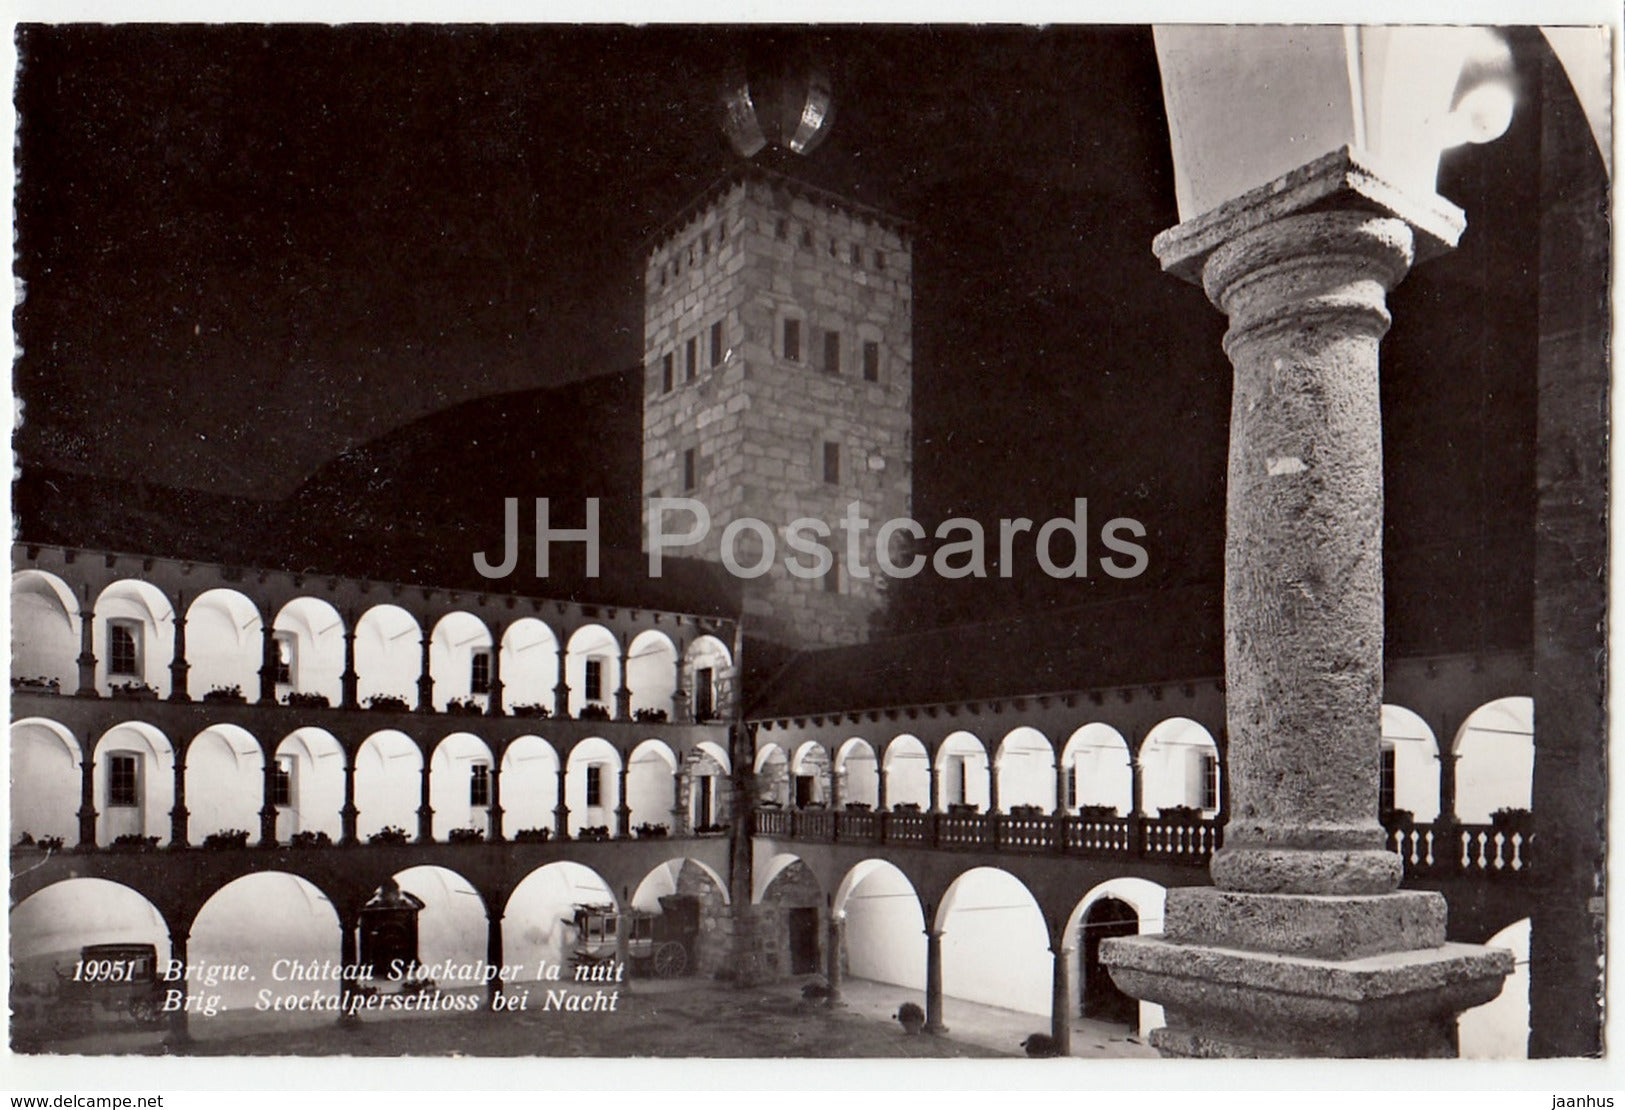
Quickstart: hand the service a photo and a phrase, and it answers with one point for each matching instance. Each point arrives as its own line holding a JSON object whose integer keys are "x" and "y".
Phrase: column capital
{"x": 1346, "y": 178}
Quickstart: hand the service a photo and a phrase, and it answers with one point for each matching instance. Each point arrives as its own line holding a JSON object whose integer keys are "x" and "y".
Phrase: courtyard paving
{"x": 681, "y": 1018}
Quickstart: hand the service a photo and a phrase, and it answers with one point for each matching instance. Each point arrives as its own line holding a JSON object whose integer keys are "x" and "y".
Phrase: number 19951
{"x": 105, "y": 971}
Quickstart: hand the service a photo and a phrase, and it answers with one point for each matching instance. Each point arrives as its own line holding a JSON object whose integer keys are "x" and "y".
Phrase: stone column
{"x": 178, "y": 814}
{"x": 87, "y": 653}
{"x": 834, "y": 948}
{"x": 561, "y": 811}
{"x": 1060, "y": 788}
{"x": 349, "y": 813}
{"x": 425, "y": 809}
{"x": 680, "y": 701}
{"x": 1303, "y": 946}
{"x": 993, "y": 787}
{"x": 880, "y": 786}
{"x": 493, "y": 701}
{"x": 1060, "y": 1002}
{"x": 933, "y": 980}
{"x": 1447, "y": 786}
{"x": 561, "y": 689}
{"x": 87, "y": 799}
{"x": 935, "y": 779}
{"x": 350, "y": 680}
{"x": 267, "y": 806}
{"x": 834, "y": 797}
{"x": 180, "y": 1032}
{"x": 679, "y": 814}
{"x": 493, "y": 956}
{"x": 623, "y": 693}
{"x": 178, "y": 666}
{"x": 425, "y": 675}
{"x": 495, "y": 832}
{"x": 349, "y": 922}
{"x": 623, "y": 811}
{"x": 268, "y": 664}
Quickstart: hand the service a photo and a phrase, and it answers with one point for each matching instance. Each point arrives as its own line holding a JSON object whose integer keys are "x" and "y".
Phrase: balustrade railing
{"x": 1427, "y": 850}
{"x": 1433, "y": 849}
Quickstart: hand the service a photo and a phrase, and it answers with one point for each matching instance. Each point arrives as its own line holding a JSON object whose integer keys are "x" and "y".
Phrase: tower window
{"x": 857, "y": 255}
{"x": 667, "y": 378}
{"x": 832, "y": 352}
{"x": 595, "y": 784}
{"x": 781, "y": 228}
{"x": 282, "y": 782}
{"x": 123, "y": 780}
{"x": 832, "y": 576}
{"x": 285, "y": 650}
{"x": 834, "y": 249}
{"x": 691, "y": 476}
{"x": 479, "y": 785}
{"x": 871, "y": 360}
{"x": 716, "y": 343}
{"x": 690, "y": 358}
{"x": 880, "y": 260}
{"x": 595, "y": 680}
{"x": 1385, "y": 781}
{"x": 792, "y": 340}
{"x": 124, "y": 648}
{"x": 832, "y": 462}
{"x": 806, "y": 237}
{"x": 705, "y": 245}
{"x": 479, "y": 672}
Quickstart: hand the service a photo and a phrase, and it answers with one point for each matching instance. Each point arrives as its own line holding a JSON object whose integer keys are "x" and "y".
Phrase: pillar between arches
{"x": 179, "y": 668}
{"x": 933, "y": 979}
{"x": 1060, "y": 1004}
{"x": 1304, "y": 944}
{"x": 179, "y": 816}
{"x": 87, "y": 654}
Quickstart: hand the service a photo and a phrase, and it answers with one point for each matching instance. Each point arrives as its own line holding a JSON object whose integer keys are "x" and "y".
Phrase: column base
{"x": 1228, "y": 1002}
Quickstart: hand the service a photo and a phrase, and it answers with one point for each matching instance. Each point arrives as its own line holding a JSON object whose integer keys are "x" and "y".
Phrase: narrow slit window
{"x": 667, "y": 377}
{"x": 792, "y": 340}
{"x": 832, "y": 352}
{"x": 871, "y": 360}
{"x": 690, "y": 359}
{"x": 716, "y": 344}
{"x": 690, "y": 470}
{"x": 832, "y": 462}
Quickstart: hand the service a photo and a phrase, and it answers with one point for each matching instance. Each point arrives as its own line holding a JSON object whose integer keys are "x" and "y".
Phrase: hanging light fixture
{"x": 777, "y": 97}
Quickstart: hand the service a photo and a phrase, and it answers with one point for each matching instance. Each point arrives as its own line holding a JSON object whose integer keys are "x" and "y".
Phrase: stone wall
{"x": 712, "y": 952}
{"x": 756, "y": 415}
{"x": 793, "y": 888}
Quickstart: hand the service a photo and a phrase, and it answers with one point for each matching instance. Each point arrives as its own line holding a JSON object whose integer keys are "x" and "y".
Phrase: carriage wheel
{"x": 671, "y": 960}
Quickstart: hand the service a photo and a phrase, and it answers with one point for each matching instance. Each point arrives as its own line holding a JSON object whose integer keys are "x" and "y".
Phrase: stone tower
{"x": 778, "y": 355}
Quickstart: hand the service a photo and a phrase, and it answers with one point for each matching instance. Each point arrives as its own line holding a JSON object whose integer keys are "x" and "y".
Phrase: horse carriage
{"x": 111, "y": 981}
{"x": 657, "y": 944}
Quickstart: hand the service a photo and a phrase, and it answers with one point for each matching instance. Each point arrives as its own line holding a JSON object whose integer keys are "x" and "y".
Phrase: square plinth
{"x": 1229, "y": 1002}
{"x": 1318, "y": 926}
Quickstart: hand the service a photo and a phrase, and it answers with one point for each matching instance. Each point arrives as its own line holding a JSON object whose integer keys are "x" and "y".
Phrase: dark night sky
{"x": 248, "y": 249}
